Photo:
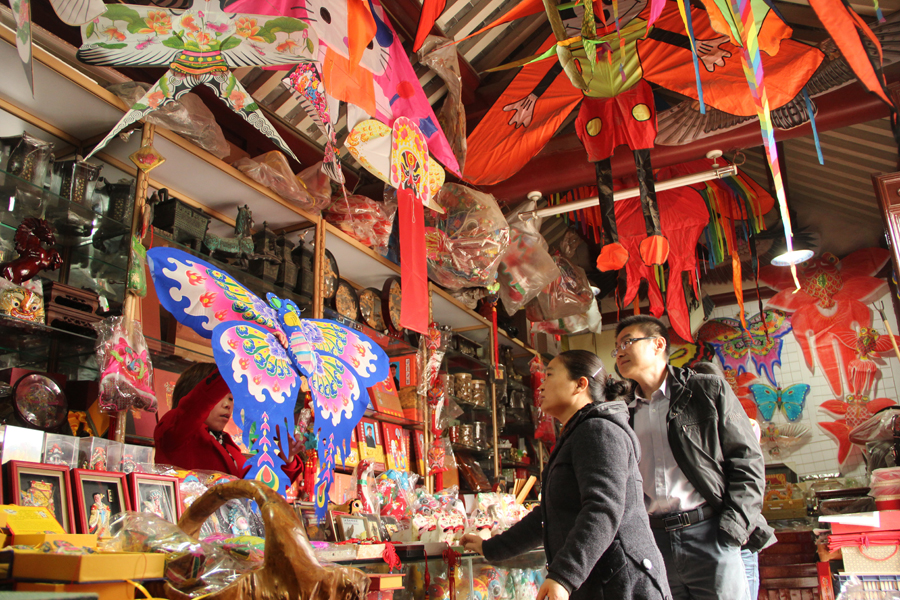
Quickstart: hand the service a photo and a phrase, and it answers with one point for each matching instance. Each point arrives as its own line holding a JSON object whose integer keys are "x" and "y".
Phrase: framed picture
{"x": 317, "y": 530}
{"x": 371, "y": 448}
{"x": 98, "y": 496}
{"x": 348, "y": 527}
{"x": 38, "y": 484}
{"x": 396, "y": 446}
{"x": 156, "y": 494}
{"x": 373, "y": 527}
{"x": 390, "y": 526}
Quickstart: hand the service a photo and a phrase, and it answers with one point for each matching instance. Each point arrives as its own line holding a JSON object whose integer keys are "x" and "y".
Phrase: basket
{"x": 876, "y": 560}
{"x": 290, "y": 569}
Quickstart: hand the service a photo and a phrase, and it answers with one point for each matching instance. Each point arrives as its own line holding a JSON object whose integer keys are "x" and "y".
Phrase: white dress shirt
{"x": 666, "y": 489}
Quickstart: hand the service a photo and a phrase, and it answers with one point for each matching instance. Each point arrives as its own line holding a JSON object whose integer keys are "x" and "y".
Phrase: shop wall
{"x": 819, "y": 454}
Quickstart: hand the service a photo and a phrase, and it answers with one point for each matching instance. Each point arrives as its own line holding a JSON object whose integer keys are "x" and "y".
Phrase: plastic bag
{"x": 440, "y": 55}
{"x": 187, "y": 116}
{"x": 527, "y": 267}
{"x": 395, "y": 492}
{"x": 126, "y": 378}
{"x": 465, "y": 245}
{"x": 589, "y": 321}
{"x": 440, "y": 456}
{"x": 193, "y": 567}
{"x": 318, "y": 186}
{"x": 569, "y": 295}
{"x": 363, "y": 219}
{"x": 273, "y": 171}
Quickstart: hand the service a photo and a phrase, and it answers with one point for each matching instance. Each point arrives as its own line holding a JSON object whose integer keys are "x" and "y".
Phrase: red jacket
{"x": 183, "y": 439}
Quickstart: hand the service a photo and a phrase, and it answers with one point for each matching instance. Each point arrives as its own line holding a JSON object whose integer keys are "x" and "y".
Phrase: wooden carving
{"x": 291, "y": 570}
{"x": 34, "y": 243}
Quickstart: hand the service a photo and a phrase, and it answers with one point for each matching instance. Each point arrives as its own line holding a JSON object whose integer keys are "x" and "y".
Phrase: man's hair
{"x": 189, "y": 379}
{"x": 648, "y": 325}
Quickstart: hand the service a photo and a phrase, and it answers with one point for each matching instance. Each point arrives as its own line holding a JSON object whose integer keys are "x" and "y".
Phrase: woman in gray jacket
{"x": 592, "y": 520}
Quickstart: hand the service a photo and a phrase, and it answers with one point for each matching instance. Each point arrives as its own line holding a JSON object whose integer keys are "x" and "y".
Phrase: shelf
{"x": 459, "y": 361}
{"x": 391, "y": 345}
{"x": 72, "y": 106}
{"x": 27, "y": 340}
{"x": 406, "y": 423}
{"x": 477, "y": 453}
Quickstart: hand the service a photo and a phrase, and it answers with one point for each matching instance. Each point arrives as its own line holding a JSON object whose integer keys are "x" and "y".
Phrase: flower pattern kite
{"x": 856, "y": 410}
{"x": 200, "y": 46}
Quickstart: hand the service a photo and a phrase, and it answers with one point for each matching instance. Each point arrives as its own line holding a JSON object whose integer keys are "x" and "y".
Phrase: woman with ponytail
{"x": 591, "y": 522}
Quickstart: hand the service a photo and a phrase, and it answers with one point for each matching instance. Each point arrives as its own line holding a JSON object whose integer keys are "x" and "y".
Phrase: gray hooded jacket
{"x": 592, "y": 520}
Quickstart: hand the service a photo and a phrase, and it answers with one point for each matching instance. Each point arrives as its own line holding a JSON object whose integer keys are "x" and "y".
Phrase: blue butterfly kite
{"x": 790, "y": 400}
{"x": 262, "y": 350}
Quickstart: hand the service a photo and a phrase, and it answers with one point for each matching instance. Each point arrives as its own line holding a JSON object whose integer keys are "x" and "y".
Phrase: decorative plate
{"x": 370, "y": 308}
{"x": 39, "y": 402}
{"x": 332, "y": 275}
{"x": 346, "y": 301}
{"x": 390, "y": 305}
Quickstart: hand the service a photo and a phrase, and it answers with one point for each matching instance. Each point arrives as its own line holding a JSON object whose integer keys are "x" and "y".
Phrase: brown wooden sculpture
{"x": 31, "y": 237}
{"x": 291, "y": 570}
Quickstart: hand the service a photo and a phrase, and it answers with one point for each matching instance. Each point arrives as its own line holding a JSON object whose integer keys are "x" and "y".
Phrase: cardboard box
{"x": 88, "y": 540}
{"x": 119, "y": 566}
{"x": 120, "y": 590}
{"x": 385, "y": 399}
{"x": 385, "y": 581}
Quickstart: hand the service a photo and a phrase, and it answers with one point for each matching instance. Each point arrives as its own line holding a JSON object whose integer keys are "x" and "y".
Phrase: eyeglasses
{"x": 627, "y": 343}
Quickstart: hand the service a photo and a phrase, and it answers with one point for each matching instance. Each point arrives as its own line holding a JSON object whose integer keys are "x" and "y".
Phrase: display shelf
{"x": 458, "y": 361}
{"x": 406, "y": 423}
{"x": 478, "y": 453}
{"x": 34, "y": 341}
{"x": 391, "y": 345}
{"x": 72, "y": 106}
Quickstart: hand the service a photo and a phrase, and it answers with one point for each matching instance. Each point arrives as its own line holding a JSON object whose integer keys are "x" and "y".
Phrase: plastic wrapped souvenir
{"x": 24, "y": 301}
{"x": 126, "y": 380}
{"x": 588, "y": 321}
{"x": 364, "y": 219}
{"x": 318, "y": 186}
{"x": 465, "y": 245}
{"x": 440, "y": 56}
{"x": 568, "y": 295}
{"x": 273, "y": 171}
{"x": 527, "y": 267}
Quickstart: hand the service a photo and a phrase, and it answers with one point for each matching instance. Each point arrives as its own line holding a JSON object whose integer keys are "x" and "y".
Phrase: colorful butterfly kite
{"x": 790, "y": 400}
{"x": 262, "y": 349}
{"x": 735, "y": 346}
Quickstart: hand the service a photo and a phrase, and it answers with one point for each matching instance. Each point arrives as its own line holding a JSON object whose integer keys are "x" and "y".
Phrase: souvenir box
{"x": 22, "y": 444}
{"x": 119, "y": 590}
{"x": 119, "y": 566}
{"x": 61, "y": 450}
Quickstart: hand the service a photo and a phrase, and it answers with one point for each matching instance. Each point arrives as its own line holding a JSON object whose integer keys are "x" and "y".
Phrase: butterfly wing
{"x": 765, "y": 350}
{"x": 359, "y": 353}
{"x": 727, "y": 339}
{"x": 262, "y": 379}
{"x": 201, "y": 296}
{"x": 766, "y": 398}
{"x": 793, "y": 398}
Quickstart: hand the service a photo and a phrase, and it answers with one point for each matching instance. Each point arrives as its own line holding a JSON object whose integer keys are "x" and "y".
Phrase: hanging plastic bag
{"x": 440, "y": 55}
{"x": 570, "y": 294}
{"x": 589, "y": 321}
{"x": 137, "y": 270}
{"x": 187, "y": 116}
{"x": 464, "y": 246}
{"x": 317, "y": 184}
{"x": 527, "y": 267}
{"x": 126, "y": 378}
{"x": 273, "y": 171}
{"x": 363, "y": 219}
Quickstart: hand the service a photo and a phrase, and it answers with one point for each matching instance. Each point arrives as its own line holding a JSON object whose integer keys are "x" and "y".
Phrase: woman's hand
{"x": 295, "y": 444}
{"x": 552, "y": 590}
{"x": 472, "y": 543}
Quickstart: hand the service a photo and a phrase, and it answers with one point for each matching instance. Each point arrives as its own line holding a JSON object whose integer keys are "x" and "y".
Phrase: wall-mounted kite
{"x": 830, "y": 305}
{"x": 199, "y": 46}
{"x": 862, "y": 370}
{"x": 780, "y": 440}
{"x": 261, "y": 351}
{"x": 790, "y": 400}
{"x": 853, "y": 412}
{"x": 760, "y": 343}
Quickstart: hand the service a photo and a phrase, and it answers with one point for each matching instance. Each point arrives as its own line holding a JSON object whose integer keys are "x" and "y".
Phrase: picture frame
{"x": 348, "y": 527}
{"x": 98, "y": 496}
{"x": 39, "y": 484}
{"x": 373, "y": 527}
{"x": 155, "y": 494}
{"x": 390, "y": 526}
{"x": 368, "y": 434}
{"x": 317, "y": 530}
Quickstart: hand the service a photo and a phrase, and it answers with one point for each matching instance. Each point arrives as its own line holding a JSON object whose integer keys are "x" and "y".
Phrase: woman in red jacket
{"x": 192, "y": 436}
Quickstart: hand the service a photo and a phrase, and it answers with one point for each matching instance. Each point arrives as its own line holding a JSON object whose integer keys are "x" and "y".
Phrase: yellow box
{"x": 119, "y": 590}
{"x": 36, "y": 539}
{"x": 118, "y": 566}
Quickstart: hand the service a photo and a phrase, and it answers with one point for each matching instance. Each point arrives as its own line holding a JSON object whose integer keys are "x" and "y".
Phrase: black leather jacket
{"x": 714, "y": 445}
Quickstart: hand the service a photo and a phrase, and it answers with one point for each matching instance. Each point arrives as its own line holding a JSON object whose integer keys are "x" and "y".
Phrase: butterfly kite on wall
{"x": 261, "y": 350}
{"x": 760, "y": 343}
{"x": 789, "y": 400}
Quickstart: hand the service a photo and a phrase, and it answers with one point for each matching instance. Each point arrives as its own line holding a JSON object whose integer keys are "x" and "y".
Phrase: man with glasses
{"x": 702, "y": 468}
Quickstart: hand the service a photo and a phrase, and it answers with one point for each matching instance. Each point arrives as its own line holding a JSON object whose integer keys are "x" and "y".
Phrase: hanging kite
{"x": 71, "y": 12}
{"x": 760, "y": 342}
{"x": 306, "y": 83}
{"x": 830, "y": 305}
{"x": 789, "y": 401}
{"x": 856, "y": 410}
{"x": 363, "y": 63}
{"x": 862, "y": 370}
{"x": 261, "y": 351}
{"x": 200, "y": 46}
